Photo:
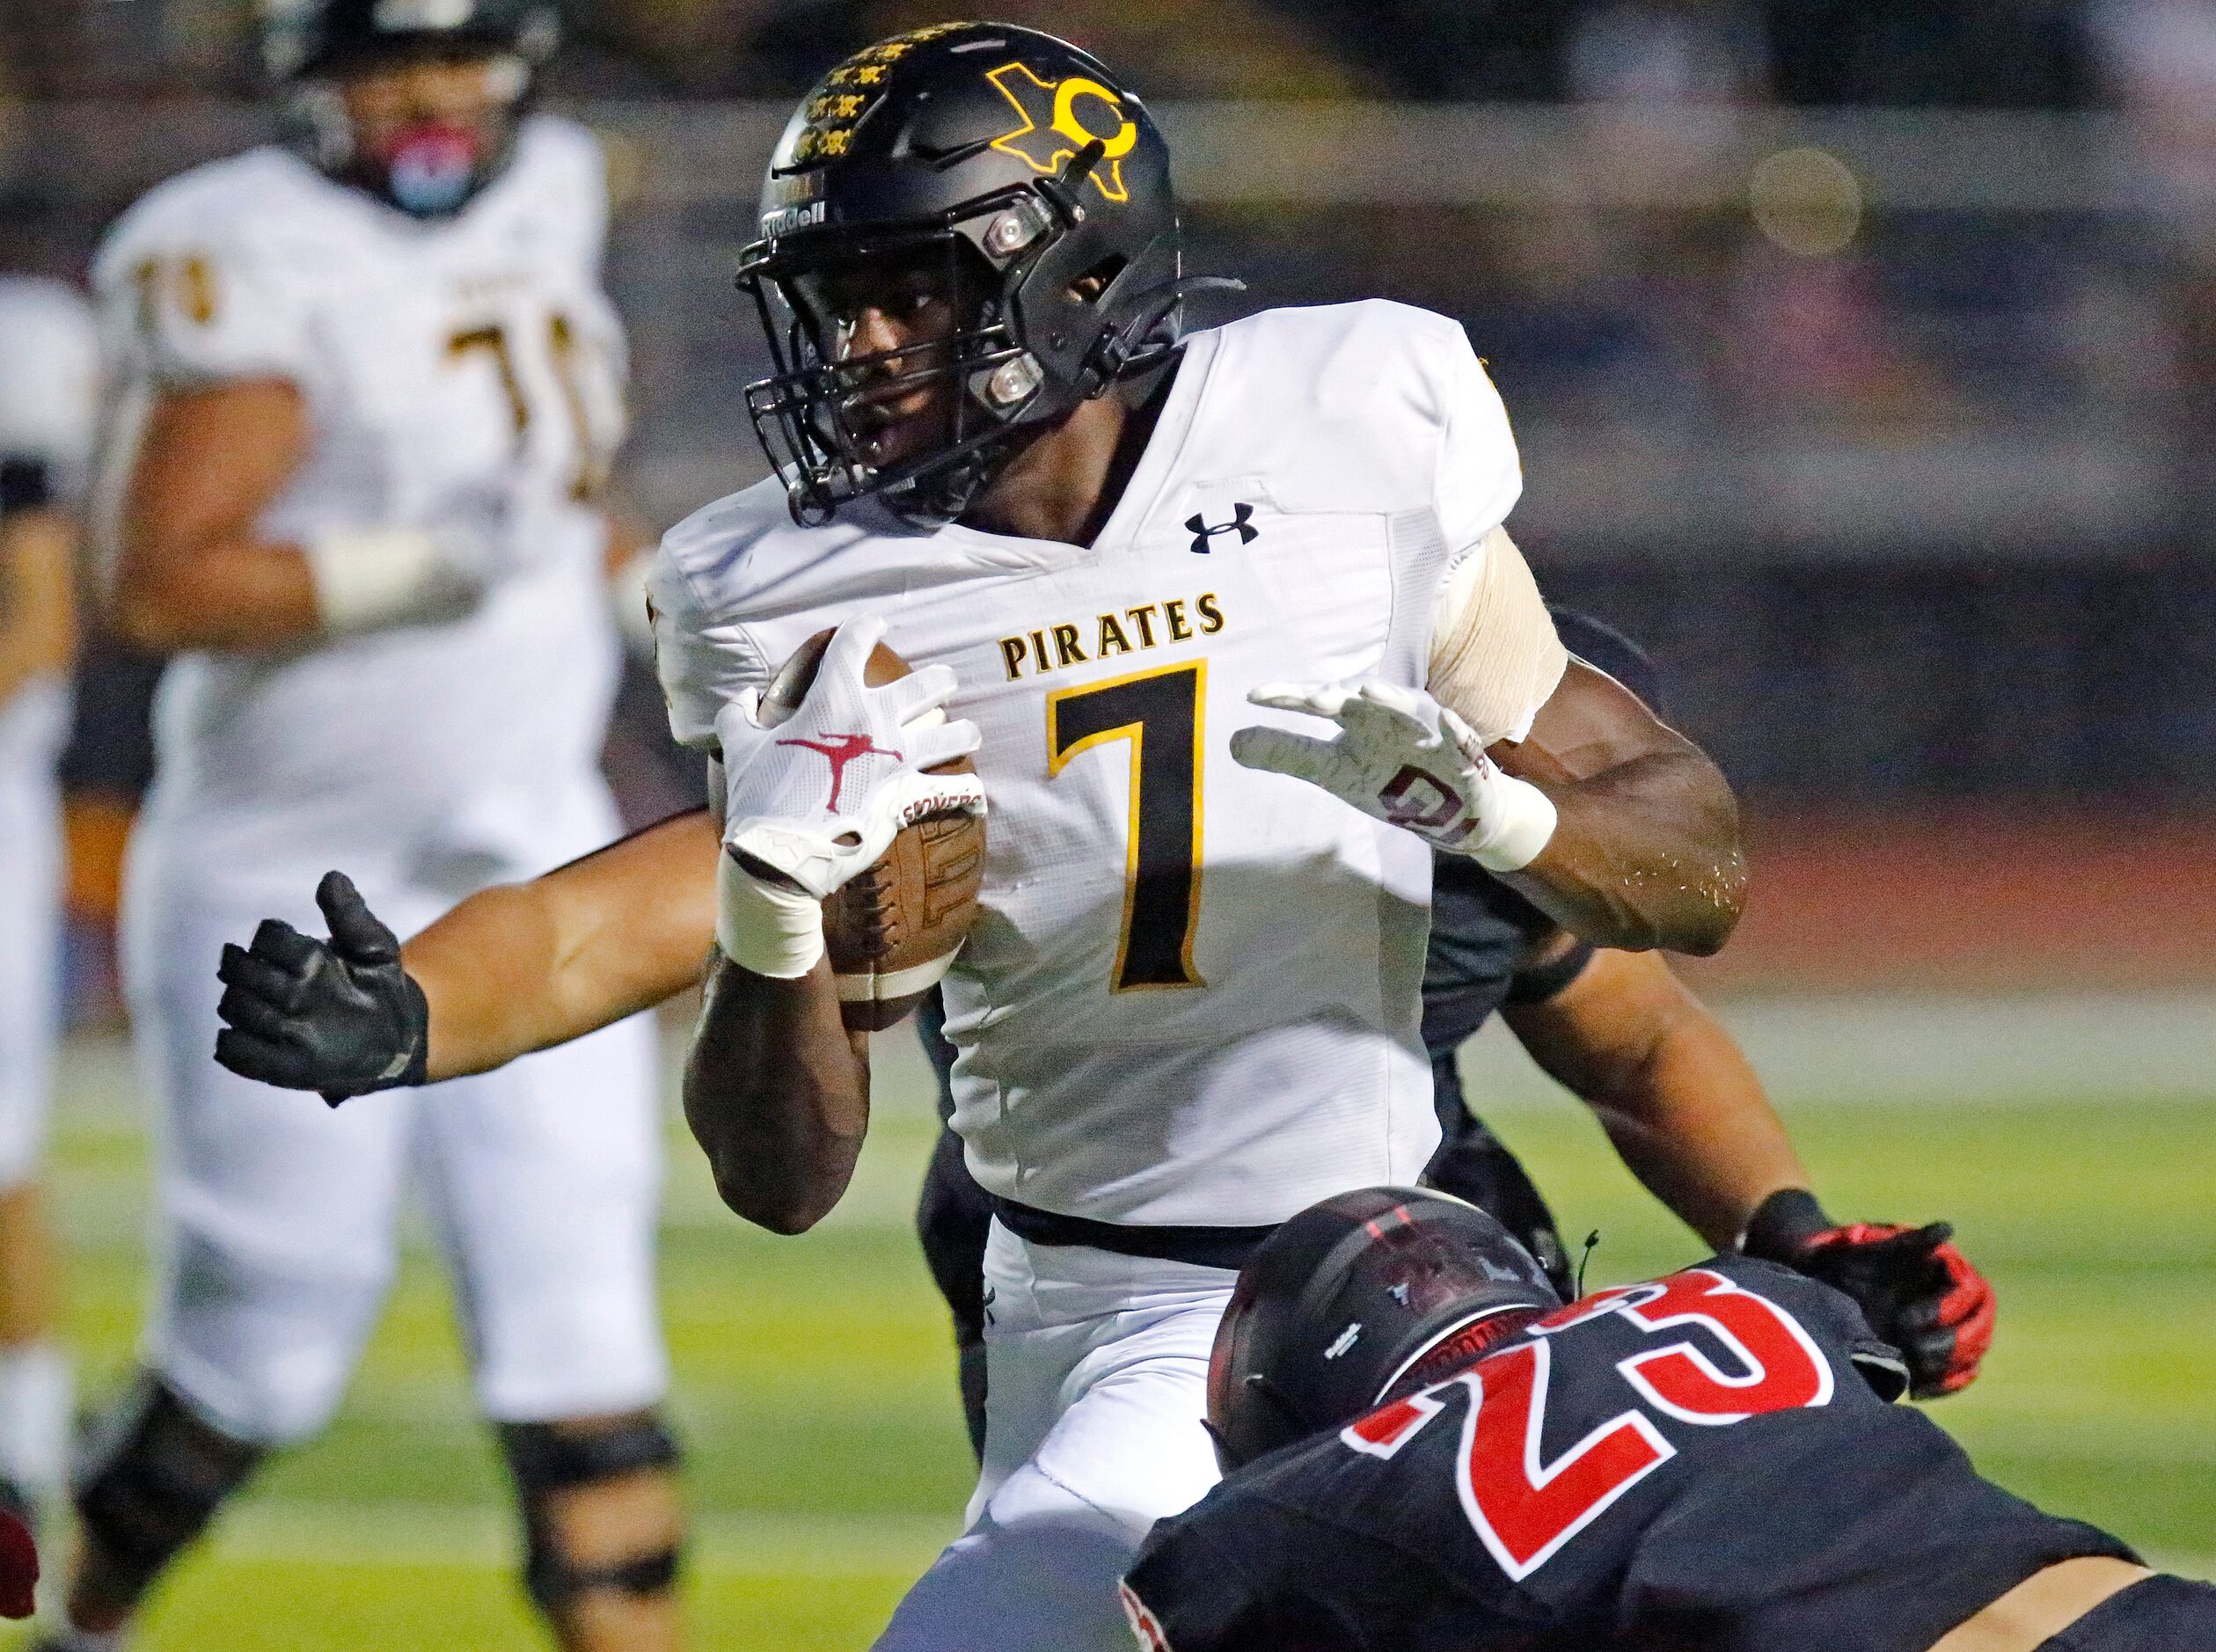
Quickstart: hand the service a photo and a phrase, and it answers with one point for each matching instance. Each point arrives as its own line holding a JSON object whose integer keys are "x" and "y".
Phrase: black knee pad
{"x": 151, "y": 1479}
{"x": 545, "y": 1457}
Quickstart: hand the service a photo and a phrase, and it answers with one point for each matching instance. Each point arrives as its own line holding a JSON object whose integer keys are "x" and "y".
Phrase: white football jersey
{"x": 1191, "y": 995}
{"x": 467, "y": 370}
{"x": 49, "y": 377}
{"x": 49, "y": 393}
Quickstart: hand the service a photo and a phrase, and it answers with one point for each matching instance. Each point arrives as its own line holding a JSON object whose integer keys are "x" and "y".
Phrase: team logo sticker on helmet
{"x": 1060, "y": 117}
{"x": 852, "y": 90}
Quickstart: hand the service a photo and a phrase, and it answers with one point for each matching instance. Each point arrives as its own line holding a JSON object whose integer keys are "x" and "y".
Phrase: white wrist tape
{"x": 370, "y": 578}
{"x": 1516, "y": 821}
{"x": 766, "y": 930}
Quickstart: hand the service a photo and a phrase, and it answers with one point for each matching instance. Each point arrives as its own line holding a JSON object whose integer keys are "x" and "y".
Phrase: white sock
{"x": 37, "y": 1389}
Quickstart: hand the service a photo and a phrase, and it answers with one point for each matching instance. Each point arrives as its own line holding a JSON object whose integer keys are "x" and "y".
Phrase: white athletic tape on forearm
{"x": 768, "y": 931}
{"x": 1495, "y": 656}
{"x": 1516, "y": 822}
{"x": 368, "y": 579}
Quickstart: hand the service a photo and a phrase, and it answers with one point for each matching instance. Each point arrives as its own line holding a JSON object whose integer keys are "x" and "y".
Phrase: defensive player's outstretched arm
{"x": 1645, "y": 848}
{"x": 1685, "y": 1110}
{"x": 1680, "y": 1101}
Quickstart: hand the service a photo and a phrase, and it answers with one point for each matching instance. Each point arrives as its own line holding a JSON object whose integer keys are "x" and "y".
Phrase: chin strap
{"x": 1128, "y": 349}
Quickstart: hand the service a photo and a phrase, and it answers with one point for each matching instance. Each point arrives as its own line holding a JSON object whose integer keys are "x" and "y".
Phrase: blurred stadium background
{"x": 1861, "y": 354}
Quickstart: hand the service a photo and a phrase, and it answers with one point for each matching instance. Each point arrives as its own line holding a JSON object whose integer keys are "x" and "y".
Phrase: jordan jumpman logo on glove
{"x": 839, "y": 750}
{"x": 880, "y": 742}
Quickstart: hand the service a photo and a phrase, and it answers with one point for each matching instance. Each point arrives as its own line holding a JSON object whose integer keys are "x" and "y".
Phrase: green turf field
{"x": 816, "y": 1387}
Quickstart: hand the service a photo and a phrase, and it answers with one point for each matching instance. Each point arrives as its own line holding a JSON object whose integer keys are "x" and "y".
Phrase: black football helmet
{"x": 1039, "y": 184}
{"x": 433, "y": 170}
{"x": 1363, "y": 1293}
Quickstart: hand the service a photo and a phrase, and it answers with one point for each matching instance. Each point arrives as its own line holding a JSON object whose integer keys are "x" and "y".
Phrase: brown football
{"x": 892, "y": 931}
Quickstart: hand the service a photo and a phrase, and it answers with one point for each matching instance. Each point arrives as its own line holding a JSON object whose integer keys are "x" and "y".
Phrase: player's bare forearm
{"x": 529, "y": 966}
{"x": 1645, "y": 851}
{"x": 243, "y": 595}
{"x": 192, "y": 571}
{"x": 776, "y": 1092}
{"x": 38, "y": 631}
{"x": 1677, "y": 1095}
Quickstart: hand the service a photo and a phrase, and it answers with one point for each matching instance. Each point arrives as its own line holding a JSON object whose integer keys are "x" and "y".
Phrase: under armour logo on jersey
{"x": 1241, "y": 523}
{"x": 841, "y": 750}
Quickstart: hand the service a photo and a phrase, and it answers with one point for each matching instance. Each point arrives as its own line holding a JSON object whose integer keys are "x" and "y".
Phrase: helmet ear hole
{"x": 1087, "y": 287}
{"x": 1268, "y": 1420}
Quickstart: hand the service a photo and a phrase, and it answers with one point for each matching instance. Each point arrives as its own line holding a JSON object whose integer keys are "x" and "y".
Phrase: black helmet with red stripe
{"x": 995, "y": 170}
{"x": 1359, "y": 1295}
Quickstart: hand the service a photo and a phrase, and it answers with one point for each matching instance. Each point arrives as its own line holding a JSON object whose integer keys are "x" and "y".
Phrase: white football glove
{"x": 1402, "y": 757}
{"x": 819, "y": 797}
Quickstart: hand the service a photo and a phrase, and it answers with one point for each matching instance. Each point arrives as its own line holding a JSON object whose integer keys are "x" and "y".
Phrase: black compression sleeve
{"x": 1541, "y": 982}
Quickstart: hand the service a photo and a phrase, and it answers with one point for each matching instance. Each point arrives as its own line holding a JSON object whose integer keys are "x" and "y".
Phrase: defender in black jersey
{"x": 1429, "y": 1452}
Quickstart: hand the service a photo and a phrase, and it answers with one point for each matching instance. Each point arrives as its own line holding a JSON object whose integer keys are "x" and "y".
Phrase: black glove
{"x": 342, "y": 1017}
{"x": 1917, "y": 1292}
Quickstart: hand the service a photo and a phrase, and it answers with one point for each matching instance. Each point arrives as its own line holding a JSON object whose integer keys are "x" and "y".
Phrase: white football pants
{"x": 30, "y": 727}
{"x": 1096, "y": 1387}
{"x": 278, "y": 1216}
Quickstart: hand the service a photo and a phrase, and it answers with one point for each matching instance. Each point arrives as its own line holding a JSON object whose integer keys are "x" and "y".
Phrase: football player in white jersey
{"x": 1147, "y": 576}
{"x": 48, "y": 393}
{"x": 1189, "y": 1002}
{"x": 367, "y": 387}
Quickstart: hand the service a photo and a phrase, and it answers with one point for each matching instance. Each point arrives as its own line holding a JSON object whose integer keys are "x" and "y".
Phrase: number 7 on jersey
{"x": 1160, "y": 712}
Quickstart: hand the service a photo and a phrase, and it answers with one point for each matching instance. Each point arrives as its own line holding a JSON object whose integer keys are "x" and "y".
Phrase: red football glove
{"x": 1917, "y": 1292}
{"x": 19, "y": 1567}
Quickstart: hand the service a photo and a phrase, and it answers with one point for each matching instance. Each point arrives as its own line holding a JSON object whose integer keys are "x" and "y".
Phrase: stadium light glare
{"x": 1806, "y": 201}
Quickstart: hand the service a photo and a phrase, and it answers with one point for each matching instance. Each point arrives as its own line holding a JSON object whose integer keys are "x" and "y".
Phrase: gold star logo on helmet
{"x": 1060, "y": 117}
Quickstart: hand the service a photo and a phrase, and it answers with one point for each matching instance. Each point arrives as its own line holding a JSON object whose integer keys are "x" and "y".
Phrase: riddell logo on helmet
{"x": 1060, "y": 117}
{"x": 785, "y": 220}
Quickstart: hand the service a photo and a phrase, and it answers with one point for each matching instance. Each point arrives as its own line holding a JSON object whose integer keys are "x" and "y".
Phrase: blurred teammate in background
{"x": 48, "y": 395}
{"x": 368, "y": 386}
